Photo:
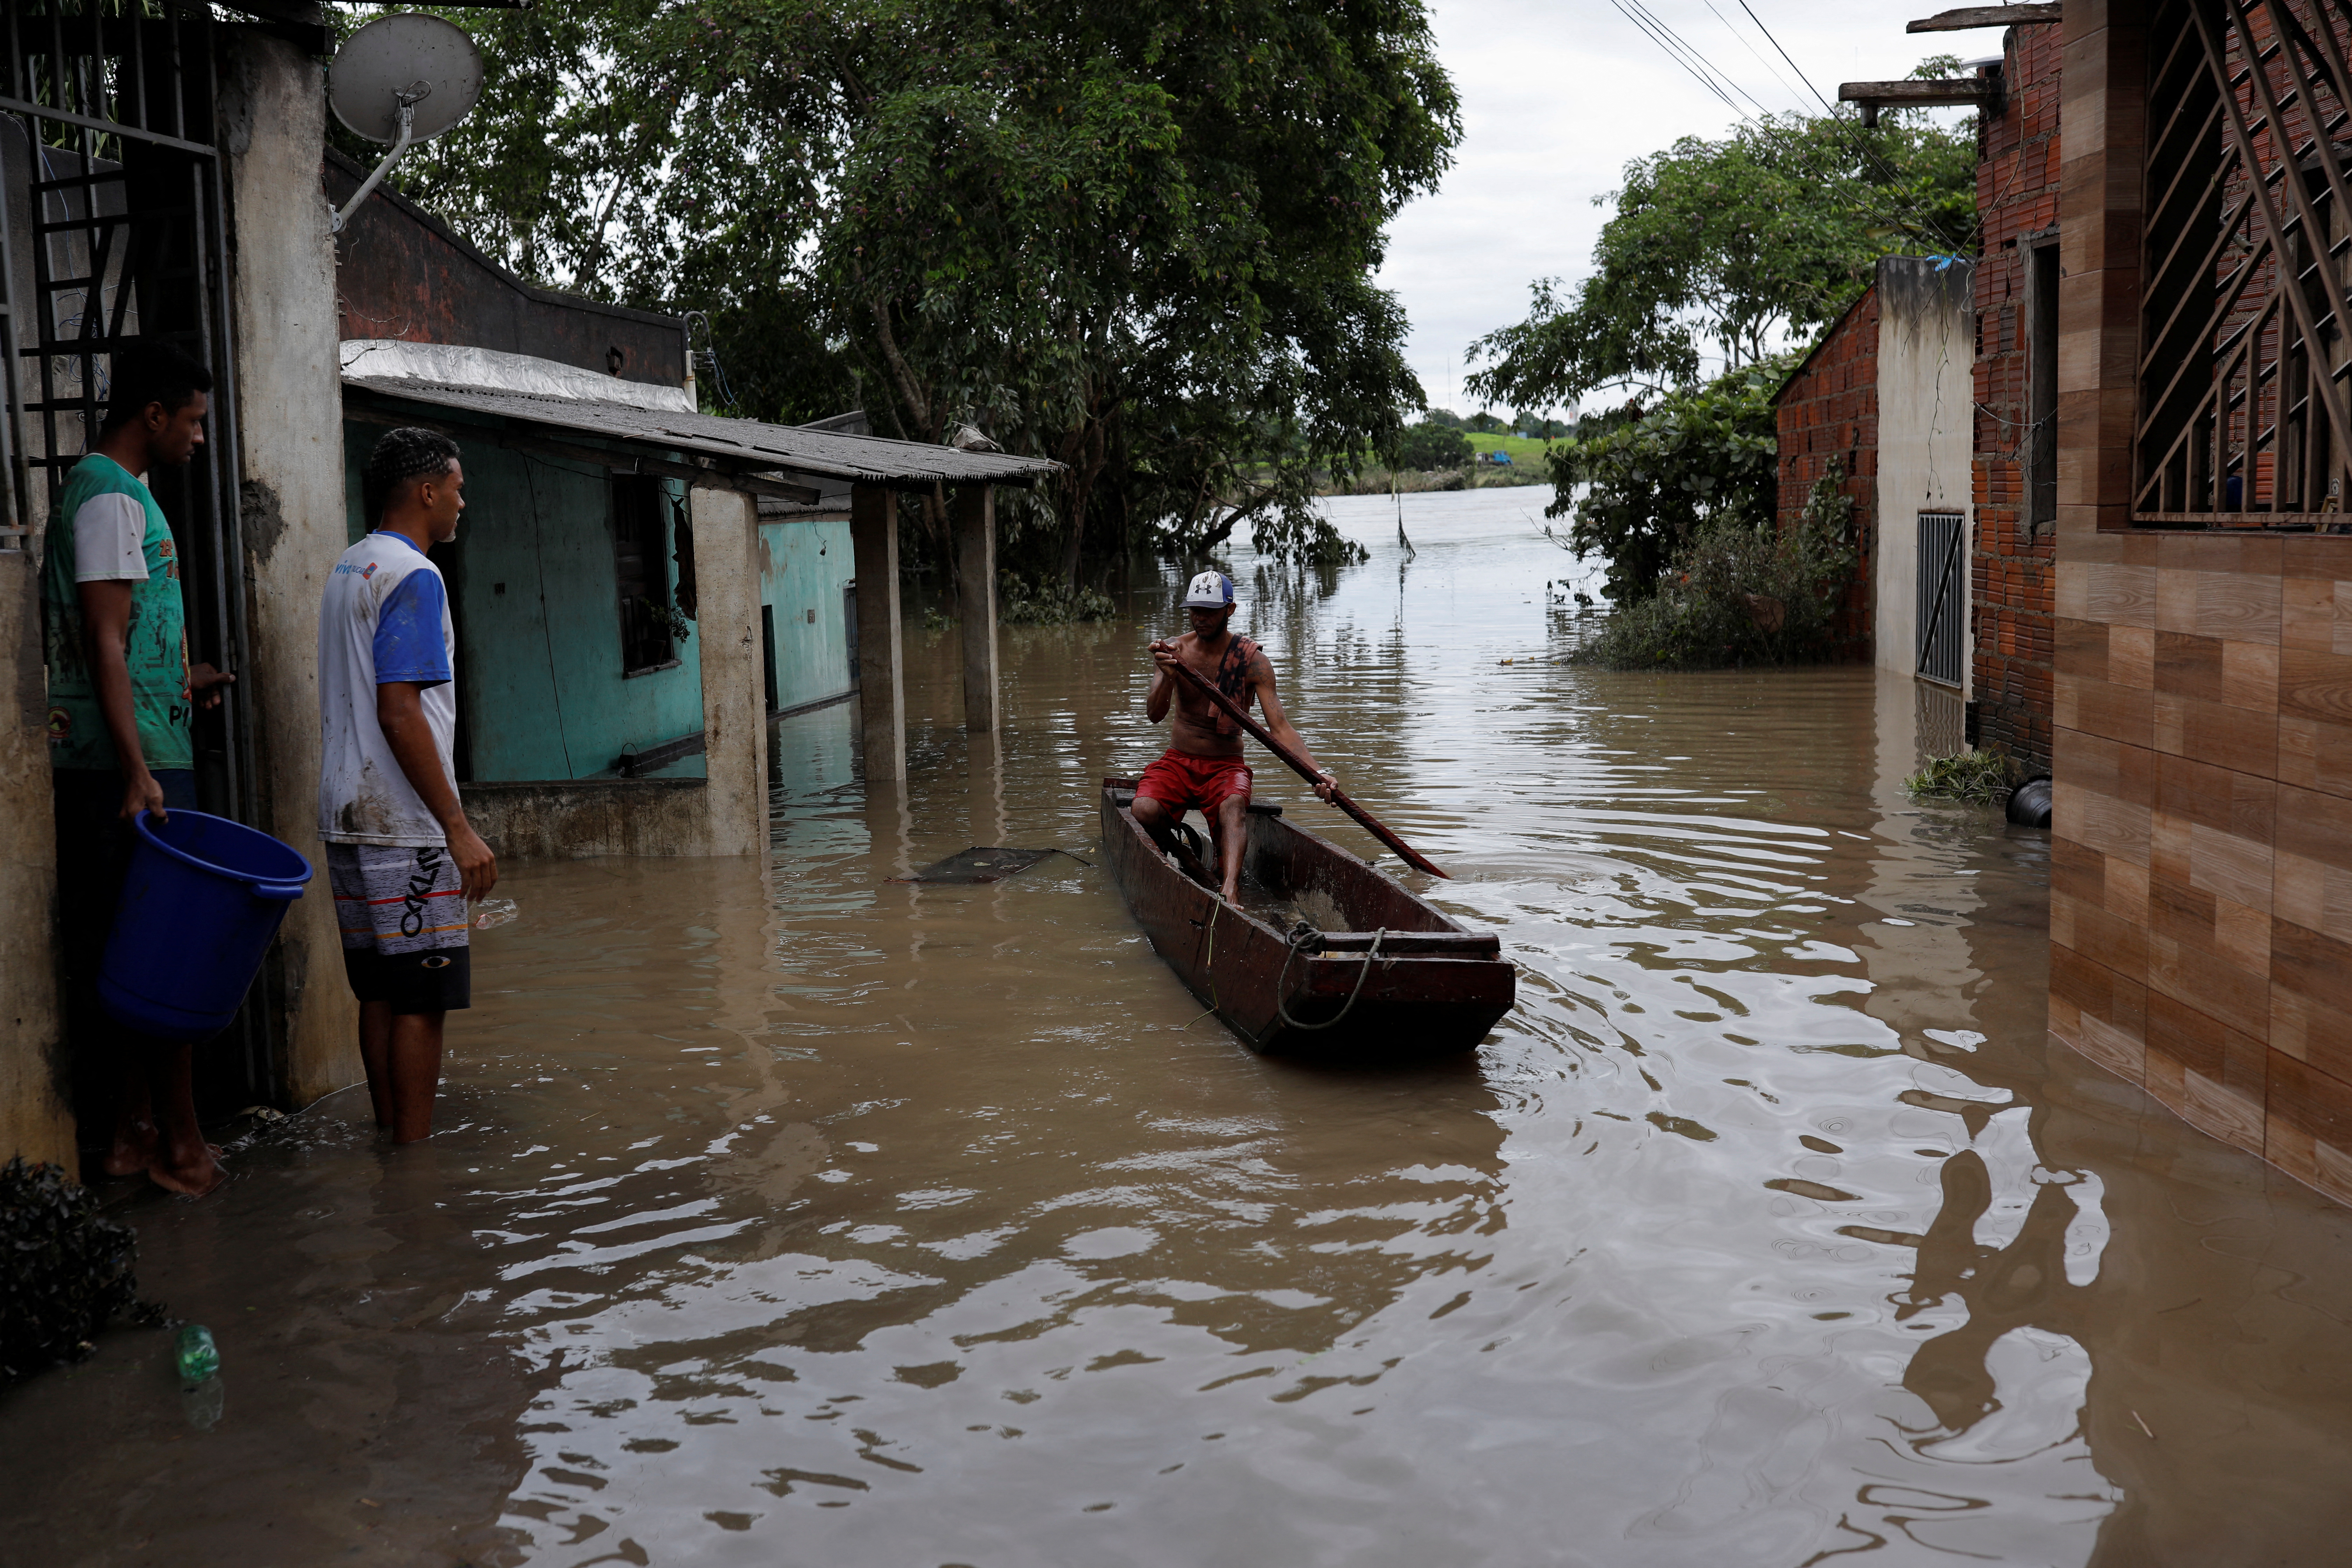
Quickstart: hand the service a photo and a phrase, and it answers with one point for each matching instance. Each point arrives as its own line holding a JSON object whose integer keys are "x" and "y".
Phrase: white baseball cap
{"x": 1210, "y": 591}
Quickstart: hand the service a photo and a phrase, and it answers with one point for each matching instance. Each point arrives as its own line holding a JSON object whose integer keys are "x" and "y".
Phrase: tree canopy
{"x": 1640, "y": 484}
{"x": 1726, "y": 249}
{"x": 1137, "y": 239}
{"x": 1431, "y": 445}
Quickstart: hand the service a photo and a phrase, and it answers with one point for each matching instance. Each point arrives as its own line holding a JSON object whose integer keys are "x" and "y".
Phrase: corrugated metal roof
{"x": 744, "y": 445}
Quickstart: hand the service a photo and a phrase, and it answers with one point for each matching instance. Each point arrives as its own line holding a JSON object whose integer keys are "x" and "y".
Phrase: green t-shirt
{"x": 156, "y": 646}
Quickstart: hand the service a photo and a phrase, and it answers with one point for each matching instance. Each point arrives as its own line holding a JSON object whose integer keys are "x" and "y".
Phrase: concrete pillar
{"x": 35, "y": 1119}
{"x": 975, "y": 537}
{"x": 734, "y": 690}
{"x": 881, "y": 664}
{"x": 289, "y": 407}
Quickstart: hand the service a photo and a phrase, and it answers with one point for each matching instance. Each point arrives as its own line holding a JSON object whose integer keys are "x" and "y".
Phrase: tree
{"x": 1729, "y": 248}
{"x": 1656, "y": 476}
{"x": 1429, "y": 444}
{"x": 1139, "y": 240}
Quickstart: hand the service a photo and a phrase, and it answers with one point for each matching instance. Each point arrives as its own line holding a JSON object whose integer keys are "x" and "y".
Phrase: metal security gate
{"x": 111, "y": 229}
{"x": 1943, "y": 595}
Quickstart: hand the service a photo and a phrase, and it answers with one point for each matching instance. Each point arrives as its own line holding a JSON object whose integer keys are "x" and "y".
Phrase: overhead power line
{"x": 1869, "y": 153}
{"x": 1641, "y": 20}
{"x": 1884, "y": 202}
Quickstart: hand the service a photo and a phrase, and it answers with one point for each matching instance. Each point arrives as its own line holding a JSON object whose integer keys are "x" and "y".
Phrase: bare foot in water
{"x": 190, "y": 1182}
{"x": 134, "y": 1149}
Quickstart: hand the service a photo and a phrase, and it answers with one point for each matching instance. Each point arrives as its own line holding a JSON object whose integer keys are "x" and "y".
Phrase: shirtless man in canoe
{"x": 1202, "y": 769}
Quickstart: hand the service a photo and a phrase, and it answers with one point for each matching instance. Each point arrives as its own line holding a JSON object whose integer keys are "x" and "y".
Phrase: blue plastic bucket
{"x": 202, "y": 899}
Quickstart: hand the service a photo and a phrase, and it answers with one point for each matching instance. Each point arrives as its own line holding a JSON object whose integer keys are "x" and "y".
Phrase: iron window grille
{"x": 2244, "y": 412}
{"x": 1943, "y": 595}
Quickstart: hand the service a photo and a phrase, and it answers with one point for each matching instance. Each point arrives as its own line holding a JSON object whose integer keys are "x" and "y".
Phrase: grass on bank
{"x": 1528, "y": 452}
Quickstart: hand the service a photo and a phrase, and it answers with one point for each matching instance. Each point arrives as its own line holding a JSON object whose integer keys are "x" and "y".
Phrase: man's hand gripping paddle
{"x": 1300, "y": 766}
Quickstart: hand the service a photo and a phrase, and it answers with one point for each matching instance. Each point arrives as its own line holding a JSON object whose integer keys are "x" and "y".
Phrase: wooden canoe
{"x": 1434, "y": 987}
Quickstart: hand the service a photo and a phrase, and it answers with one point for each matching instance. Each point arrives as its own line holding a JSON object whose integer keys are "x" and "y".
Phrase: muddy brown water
{"x": 791, "y": 1216}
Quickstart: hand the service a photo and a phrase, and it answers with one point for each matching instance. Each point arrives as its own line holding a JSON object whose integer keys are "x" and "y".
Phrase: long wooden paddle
{"x": 1306, "y": 770}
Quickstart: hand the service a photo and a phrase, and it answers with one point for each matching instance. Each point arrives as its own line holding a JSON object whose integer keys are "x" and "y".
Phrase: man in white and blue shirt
{"x": 401, "y": 859}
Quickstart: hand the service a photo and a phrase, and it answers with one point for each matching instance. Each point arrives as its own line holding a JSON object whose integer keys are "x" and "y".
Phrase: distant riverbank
{"x": 1378, "y": 481}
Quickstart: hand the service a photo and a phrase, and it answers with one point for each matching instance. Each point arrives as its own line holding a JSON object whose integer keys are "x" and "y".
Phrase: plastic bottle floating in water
{"x": 494, "y": 912}
{"x": 198, "y": 1357}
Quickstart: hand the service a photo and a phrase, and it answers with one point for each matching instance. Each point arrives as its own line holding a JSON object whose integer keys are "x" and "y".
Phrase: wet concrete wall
{"x": 2011, "y": 572}
{"x": 804, "y": 567}
{"x": 1926, "y": 355}
{"x": 34, "y": 1119}
{"x": 290, "y": 408}
{"x": 587, "y": 817}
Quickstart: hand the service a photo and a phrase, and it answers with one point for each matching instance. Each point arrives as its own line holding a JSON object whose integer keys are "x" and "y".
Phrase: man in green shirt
{"x": 122, "y": 695}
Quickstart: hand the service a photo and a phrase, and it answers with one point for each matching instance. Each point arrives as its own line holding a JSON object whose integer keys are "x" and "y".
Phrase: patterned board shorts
{"x": 403, "y": 916}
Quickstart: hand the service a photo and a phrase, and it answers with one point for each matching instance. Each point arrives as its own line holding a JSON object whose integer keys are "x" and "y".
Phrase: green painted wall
{"x": 541, "y": 694}
{"x": 804, "y": 567}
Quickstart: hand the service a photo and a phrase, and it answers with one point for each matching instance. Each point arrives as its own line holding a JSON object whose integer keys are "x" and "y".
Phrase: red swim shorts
{"x": 1182, "y": 782}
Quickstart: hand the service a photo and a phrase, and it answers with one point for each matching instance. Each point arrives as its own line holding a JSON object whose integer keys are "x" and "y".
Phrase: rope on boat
{"x": 1299, "y": 941}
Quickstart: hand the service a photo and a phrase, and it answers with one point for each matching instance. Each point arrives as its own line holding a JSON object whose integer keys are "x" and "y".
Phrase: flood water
{"x": 788, "y": 1215}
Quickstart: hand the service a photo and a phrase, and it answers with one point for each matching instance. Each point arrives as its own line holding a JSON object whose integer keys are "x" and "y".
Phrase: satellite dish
{"x": 402, "y": 80}
{"x": 421, "y": 63}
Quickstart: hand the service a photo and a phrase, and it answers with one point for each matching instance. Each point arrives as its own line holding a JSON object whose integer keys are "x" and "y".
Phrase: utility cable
{"x": 547, "y": 634}
{"x": 1719, "y": 82}
{"x": 1696, "y": 75}
{"x": 1666, "y": 30}
{"x": 1864, "y": 147}
{"x": 710, "y": 353}
{"x": 1752, "y": 50}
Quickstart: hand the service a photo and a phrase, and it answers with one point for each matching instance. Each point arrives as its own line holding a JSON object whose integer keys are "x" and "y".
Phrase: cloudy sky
{"x": 1557, "y": 97}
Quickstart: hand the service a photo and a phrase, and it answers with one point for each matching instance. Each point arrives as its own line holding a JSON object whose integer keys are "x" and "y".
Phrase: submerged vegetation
{"x": 1640, "y": 485}
{"x": 1740, "y": 591}
{"x": 1048, "y": 602}
{"x": 1976, "y": 778}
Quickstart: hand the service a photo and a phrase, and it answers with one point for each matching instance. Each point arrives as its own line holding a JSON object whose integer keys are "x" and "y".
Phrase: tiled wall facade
{"x": 1828, "y": 410}
{"x": 2200, "y": 906}
{"x": 2011, "y": 575}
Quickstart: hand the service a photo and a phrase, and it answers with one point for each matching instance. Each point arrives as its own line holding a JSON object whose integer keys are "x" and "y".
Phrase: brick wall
{"x": 1828, "y": 410}
{"x": 2012, "y": 570}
